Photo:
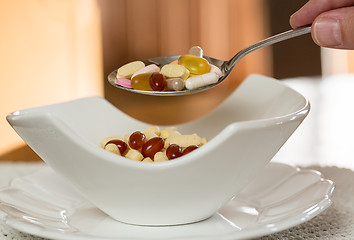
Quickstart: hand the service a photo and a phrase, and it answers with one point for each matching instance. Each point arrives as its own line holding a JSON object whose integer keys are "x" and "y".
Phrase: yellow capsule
{"x": 195, "y": 65}
{"x": 141, "y": 82}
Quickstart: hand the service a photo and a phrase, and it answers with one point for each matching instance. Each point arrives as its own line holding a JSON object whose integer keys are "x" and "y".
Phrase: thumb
{"x": 335, "y": 28}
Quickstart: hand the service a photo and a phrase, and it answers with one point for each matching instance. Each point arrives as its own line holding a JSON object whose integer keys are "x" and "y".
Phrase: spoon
{"x": 225, "y": 66}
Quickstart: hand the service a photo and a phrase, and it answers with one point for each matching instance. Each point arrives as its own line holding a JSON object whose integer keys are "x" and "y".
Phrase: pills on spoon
{"x": 189, "y": 71}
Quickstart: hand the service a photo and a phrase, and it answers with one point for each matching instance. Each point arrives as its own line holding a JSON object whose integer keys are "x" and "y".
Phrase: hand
{"x": 332, "y": 22}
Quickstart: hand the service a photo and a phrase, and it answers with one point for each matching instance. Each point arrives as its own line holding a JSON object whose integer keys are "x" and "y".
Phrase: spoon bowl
{"x": 225, "y": 66}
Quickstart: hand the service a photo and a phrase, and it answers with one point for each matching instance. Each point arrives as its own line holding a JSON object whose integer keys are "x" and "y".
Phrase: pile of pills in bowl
{"x": 153, "y": 145}
{"x": 190, "y": 71}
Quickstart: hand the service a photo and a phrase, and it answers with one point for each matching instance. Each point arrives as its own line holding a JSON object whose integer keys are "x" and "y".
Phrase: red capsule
{"x": 157, "y": 81}
{"x": 173, "y": 151}
{"x": 137, "y": 140}
{"x": 122, "y": 146}
{"x": 189, "y": 149}
{"x": 152, "y": 146}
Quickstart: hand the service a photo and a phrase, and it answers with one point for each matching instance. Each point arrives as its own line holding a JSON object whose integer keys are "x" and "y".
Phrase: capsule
{"x": 215, "y": 69}
{"x": 173, "y": 151}
{"x": 136, "y": 140}
{"x": 175, "y": 84}
{"x": 201, "y": 80}
{"x": 195, "y": 65}
{"x": 141, "y": 82}
{"x": 157, "y": 81}
{"x": 151, "y": 147}
{"x": 189, "y": 149}
{"x": 196, "y": 51}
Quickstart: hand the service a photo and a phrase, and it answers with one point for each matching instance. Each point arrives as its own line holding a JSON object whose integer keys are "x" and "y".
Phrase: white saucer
{"x": 45, "y": 205}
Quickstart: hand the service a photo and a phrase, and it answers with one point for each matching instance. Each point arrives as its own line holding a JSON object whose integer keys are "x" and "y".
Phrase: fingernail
{"x": 327, "y": 32}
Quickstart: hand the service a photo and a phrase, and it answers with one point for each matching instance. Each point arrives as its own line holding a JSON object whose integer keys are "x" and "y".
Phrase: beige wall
{"x": 50, "y": 51}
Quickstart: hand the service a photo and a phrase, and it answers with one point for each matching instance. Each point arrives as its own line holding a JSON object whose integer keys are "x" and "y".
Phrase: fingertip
{"x": 334, "y": 29}
{"x": 326, "y": 32}
{"x": 291, "y": 21}
{"x": 297, "y": 20}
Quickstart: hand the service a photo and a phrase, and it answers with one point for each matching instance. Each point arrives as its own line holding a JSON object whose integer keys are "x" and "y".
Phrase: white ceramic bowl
{"x": 244, "y": 133}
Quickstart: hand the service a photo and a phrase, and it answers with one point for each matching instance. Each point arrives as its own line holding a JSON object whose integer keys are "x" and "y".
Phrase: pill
{"x": 201, "y": 80}
{"x": 173, "y": 151}
{"x": 175, "y": 71}
{"x": 112, "y": 148}
{"x": 152, "y": 129}
{"x": 147, "y": 69}
{"x": 127, "y": 70}
{"x": 124, "y": 82}
{"x": 157, "y": 81}
{"x": 134, "y": 155}
{"x": 107, "y": 139}
{"x": 169, "y": 136}
{"x": 196, "y": 51}
{"x": 195, "y": 65}
{"x": 185, "y": 140}
{"x": 169, "y": 131}
{"x": 175, "y": 84}
{"x": 215, "y": 69}
{"x": 141, "y": 82}
{"x": 121, "y": 145}
{"x": 149, "y": 135}
{"x": 189, "y": 149}
{"x": 152, "y": 146}
{"x": 160, "y": 157}
{"x": 136, "y": 140}
{"x": 147, "y": 160}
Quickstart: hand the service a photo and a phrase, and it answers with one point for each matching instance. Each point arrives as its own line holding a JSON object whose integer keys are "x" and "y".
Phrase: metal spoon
{"x": 225, "y": 66}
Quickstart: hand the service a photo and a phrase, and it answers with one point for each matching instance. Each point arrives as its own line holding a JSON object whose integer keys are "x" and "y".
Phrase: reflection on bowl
{"x": 244, "y": 133}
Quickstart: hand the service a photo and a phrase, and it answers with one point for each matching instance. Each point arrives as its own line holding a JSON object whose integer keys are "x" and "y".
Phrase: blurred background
{"x": 59, "y": 50}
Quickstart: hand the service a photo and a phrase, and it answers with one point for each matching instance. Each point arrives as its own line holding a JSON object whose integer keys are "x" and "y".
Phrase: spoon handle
{"x": 230, "y": 64}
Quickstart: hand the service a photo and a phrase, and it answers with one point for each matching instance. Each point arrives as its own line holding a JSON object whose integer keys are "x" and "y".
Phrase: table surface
{"x": 323, "y": 142}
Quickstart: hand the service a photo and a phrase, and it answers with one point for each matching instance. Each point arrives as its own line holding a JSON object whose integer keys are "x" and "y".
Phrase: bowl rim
{"x": 228, "y": 130}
